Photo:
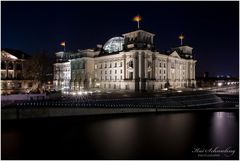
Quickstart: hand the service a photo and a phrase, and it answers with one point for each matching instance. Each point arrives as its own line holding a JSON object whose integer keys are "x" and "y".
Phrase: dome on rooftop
{"x": 114, "y": 44}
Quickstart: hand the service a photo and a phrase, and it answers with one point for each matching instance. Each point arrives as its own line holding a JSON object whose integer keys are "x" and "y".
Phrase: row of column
{"x": 14, "y": 64}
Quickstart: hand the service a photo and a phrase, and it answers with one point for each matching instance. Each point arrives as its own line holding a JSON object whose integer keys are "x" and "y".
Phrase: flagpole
{"x": 181, "y": 37}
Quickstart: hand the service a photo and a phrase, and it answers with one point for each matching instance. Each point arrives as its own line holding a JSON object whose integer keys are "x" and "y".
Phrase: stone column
{"x": 14, "y": 70}
{"x": 124, "y": 67}
{"x": 145, "y": 66}
{"x": 140, "y": 65}
{"x": 153, "y": 66}
{"x": 193, "y": 70}
{"x": 6, "y": 69}
{"x": 135, "y": 66}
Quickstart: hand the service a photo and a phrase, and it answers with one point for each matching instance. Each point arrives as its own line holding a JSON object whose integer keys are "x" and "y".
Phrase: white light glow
{"x": 97, "y": 84}
{"x": 220, "y": 84}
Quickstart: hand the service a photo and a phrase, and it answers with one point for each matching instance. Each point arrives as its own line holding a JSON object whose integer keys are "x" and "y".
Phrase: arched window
{"x": 130, "y": 63}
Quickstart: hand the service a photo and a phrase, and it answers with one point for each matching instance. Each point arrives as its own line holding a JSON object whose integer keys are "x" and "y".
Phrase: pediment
{"x": 5, "y": 55}
{"x": 175, "y": 54}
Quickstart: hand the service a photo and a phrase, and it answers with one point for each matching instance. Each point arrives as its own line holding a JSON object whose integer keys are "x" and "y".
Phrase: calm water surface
{"x": 182, "y": 135}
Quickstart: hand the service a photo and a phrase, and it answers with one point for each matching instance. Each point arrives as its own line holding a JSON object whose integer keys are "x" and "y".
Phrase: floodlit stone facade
{"x": 130, "y": 62}
{"x": 12, "y": 66}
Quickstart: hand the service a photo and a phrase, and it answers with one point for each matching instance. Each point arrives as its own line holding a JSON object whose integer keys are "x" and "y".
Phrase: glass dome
{"x": 114, "y": 44}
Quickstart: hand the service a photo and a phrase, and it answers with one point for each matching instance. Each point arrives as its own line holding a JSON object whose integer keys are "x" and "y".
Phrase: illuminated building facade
{"x": 130, "y": 62}
{"x": 12, "y": 65}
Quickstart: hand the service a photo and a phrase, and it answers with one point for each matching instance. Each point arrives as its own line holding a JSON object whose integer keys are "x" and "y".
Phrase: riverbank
{"x": 27, "y": 113}
{"x": 117, "y": 104}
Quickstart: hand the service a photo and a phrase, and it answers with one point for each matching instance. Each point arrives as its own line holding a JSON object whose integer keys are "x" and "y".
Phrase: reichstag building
{"x": 128, "y": 62}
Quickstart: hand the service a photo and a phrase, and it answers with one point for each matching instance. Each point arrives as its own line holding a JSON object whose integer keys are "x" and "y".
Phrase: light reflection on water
{"x": 223, "y": 125}
{"x": 116, "y": 137}
{"x": 143, "y": 136}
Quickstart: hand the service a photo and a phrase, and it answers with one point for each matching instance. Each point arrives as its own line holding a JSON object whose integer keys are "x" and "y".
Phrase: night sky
{"x": 211, "y": 28}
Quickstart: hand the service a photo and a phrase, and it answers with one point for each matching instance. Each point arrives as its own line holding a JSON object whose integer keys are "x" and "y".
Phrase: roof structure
{"x": 17, "y": 53}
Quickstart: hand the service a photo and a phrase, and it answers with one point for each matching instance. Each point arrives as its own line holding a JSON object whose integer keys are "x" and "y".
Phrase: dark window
{"x": 30, "y": 84}
{"x": 130, "y": 75}
{"x": 19, "y": 75}
{"x": 130, "y": 63}
{"x": 19, "y": 85}
{"x": 10, "y": 65}
{"x": 3, "y": 75}
{"x": 4, "y": 85}
{"x": 3, "y": 65}
{"x": 18, "y": 66}
{"x": 149, "y": 75}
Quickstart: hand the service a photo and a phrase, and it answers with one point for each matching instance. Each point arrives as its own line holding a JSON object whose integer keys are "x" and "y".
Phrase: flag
{"x": 137, "y": 18}
{"x": 181, "y": 37}
{"x": 62, "y": 43}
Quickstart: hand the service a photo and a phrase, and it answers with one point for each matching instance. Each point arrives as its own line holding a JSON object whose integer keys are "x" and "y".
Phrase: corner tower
{"x": 138, "y": 39}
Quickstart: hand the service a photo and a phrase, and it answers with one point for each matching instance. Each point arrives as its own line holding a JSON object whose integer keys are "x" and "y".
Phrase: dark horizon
{"x": 211, "y": 28}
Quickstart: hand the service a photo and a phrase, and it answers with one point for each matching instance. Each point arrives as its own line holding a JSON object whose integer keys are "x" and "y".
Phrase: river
{"x": 166, "y": 135}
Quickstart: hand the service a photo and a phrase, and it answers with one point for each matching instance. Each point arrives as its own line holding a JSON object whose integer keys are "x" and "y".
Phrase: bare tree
{"x": 38, "y": 68}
